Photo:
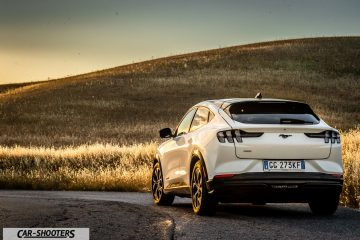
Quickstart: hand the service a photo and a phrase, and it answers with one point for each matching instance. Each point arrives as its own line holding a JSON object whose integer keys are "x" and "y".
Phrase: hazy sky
{"x": 42, "y": 39}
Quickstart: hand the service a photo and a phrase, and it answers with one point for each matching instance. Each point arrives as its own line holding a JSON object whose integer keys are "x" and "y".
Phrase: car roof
{"x": 223, "y": 103}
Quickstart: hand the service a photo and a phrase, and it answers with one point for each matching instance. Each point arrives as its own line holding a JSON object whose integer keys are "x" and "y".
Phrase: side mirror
{"x": 165, "y": 133}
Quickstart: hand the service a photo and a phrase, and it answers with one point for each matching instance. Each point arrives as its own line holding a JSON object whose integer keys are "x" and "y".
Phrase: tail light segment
{"x": 238, "y": 135}
{"x": 328, "y": 136}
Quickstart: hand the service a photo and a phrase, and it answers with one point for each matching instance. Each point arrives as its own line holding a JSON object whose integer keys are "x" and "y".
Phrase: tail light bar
{"x": 238, "y": 135}
{"x": 329, "y": 136}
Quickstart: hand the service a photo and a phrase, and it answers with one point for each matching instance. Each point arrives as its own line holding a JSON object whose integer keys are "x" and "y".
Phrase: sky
{"x": 42, "y": 40}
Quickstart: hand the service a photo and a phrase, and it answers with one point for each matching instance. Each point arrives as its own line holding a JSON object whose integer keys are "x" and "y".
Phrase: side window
{"x": 185, "y": 123}
{"x": 211, "y": 116}
{"x": 200, "y": 119}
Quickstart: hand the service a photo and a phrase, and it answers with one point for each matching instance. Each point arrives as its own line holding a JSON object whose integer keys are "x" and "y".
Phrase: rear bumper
{"x": 275, "y": 187}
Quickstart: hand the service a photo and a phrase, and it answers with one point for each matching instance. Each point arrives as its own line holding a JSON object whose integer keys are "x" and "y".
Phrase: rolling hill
{"x": 129, "y": 104}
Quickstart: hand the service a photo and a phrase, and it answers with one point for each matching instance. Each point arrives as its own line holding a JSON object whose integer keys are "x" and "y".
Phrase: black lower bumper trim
{"x": 275, "y": 187}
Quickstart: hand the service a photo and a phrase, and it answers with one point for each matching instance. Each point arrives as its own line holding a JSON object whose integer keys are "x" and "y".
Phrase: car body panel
{"x": 247, "y": 156}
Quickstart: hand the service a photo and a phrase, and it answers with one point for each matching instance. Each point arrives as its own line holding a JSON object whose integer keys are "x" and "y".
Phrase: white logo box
{"x": 46, "y": 233}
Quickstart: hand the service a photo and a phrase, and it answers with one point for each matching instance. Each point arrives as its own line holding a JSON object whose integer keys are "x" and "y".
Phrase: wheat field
{"x": 122, "y": 168}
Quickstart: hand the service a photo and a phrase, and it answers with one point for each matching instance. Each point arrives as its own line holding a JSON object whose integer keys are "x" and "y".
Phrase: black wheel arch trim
{"x": 156, "y": 159}
{"x": 197, "y": 154}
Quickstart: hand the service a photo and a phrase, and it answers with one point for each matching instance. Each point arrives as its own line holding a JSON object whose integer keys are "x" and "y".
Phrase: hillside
{"x": 131, "y": 103}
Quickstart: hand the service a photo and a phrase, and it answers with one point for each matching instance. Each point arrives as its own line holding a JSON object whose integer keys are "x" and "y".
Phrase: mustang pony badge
{"x": 284, "y": 136}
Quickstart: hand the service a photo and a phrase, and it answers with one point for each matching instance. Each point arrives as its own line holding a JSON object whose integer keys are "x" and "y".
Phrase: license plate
{"x": 276, "y": 165}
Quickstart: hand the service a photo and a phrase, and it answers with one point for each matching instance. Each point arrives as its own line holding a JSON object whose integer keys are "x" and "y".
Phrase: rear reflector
{"x": 337, "y": 175}
{"x": 223, "y": 176}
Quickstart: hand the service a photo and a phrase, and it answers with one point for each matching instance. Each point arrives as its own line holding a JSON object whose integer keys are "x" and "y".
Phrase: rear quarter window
{"x": 200, "y": 119}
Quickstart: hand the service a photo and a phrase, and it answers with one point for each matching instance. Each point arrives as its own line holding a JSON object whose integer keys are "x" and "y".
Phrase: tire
{"x": 324, "y": 206}
{"x": 157, "y": 187}
{"x": 203, "y": 203}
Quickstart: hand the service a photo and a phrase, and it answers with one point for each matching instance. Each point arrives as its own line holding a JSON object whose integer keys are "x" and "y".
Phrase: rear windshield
{"x": 271, "y": 112}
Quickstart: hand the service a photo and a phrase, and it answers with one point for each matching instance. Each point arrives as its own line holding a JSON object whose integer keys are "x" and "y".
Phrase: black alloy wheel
{"x": 157, "y": 187}
{"x": 203, "y": 203}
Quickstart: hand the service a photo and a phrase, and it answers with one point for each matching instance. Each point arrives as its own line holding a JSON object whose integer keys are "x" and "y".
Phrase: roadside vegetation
{"x": 99, "y": 131}
{"x": 121, "y": 168}
{"x": 85, "y": 167}
{"x": 351, "y": 159}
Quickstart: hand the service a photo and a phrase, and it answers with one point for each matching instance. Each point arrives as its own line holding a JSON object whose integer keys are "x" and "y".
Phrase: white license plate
{"x": 277, "y": 165}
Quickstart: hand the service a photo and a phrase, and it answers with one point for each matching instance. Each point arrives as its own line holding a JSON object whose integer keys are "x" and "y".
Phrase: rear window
{"x": 272, "y": 112}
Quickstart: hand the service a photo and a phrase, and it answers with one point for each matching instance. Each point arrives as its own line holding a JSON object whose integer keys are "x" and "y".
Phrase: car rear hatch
{"x": 278, "y": 130}
{"x": 283, "y": 143}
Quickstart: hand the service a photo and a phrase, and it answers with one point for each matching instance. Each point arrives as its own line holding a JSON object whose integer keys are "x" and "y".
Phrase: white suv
{"x": 249, "y": 150}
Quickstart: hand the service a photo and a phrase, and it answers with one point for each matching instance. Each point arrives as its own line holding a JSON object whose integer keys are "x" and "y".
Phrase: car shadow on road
{"x": 252, "y": 210}
{"x": 271, "y": 210}
{"x": 278, "y": 221}
{"x": 290, "y": 211}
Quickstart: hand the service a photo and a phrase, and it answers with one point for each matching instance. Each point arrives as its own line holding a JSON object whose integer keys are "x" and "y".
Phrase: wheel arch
{"x": 196, "y": 156}
{"x": 156, "y": 159}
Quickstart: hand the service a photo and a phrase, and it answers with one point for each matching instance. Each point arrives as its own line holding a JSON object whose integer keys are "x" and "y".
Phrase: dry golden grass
{"x": 86, "y": 167}
{"x": 122, "y": 168}
{"x": 351, "y": 161}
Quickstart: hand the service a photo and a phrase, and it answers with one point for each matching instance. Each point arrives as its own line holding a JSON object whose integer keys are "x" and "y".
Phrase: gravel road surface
{"x": 119, "y": 215}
